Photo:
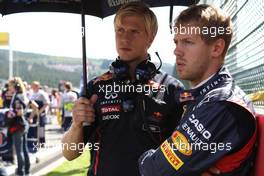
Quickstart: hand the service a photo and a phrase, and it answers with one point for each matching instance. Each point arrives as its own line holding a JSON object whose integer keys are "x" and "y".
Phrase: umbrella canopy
{"x": 98, "y": 8}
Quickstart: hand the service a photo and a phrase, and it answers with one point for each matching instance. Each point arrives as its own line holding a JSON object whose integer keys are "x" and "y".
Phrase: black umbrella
{"x": 98, "y": 8}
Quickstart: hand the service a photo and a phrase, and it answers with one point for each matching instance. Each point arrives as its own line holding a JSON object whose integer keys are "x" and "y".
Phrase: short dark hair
{"x": 204, "y": 15}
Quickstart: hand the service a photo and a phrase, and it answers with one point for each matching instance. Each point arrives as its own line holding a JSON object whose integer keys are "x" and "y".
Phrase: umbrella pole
{"x": 84, "y": 91}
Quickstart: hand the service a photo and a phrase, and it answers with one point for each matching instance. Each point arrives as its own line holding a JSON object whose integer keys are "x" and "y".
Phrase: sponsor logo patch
{"x": 193, "y": 135}
{"x": 111, "y": 96}
{"x": 110, "y": 108}
{"x": 181, "y": 143}
{"x": 110, "y": 117}
{"x": 171, "y": 157}
{"x": 109, "y": 102}
{"x": 200, "y": 127}
{"x": 157, "y": 115}
{"x": 186, "y": 96}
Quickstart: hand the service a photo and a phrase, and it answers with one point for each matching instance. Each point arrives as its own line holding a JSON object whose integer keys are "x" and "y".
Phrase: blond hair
{"x": 68, "y": 85}
{"x": 18, "y": 84}
{"x": 142, "y": 10}
{"x": 35, "y": 83}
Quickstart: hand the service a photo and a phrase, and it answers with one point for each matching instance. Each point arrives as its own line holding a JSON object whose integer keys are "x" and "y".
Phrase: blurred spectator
{"x": 17, "y": 125}
{"x": 42, "y": 99}
{"x": 8, "y": 156}
{"x": 45, "y": 88}
{"x": 68, "y": 99}
{"x": 6, "y": 96}
{"x": 29, "y": 91}
{"x": 54, "y": 101}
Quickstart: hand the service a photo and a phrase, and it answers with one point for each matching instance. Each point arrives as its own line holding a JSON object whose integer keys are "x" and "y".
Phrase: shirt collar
{"x": 203, "y": 82}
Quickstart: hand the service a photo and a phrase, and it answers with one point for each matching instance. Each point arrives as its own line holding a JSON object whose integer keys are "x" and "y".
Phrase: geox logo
{"x": 110, "y": 117}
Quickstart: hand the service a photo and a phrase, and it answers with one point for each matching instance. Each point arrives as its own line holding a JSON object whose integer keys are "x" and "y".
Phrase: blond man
{"x": 131, "y": 108}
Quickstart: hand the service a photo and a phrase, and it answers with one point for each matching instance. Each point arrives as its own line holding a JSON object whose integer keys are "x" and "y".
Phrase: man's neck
{"x": 211, "y": 71}
{"x": 133, "y": 65}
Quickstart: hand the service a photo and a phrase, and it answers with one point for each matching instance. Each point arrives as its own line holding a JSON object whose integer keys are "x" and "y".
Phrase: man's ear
{"x": 218, "y": 48}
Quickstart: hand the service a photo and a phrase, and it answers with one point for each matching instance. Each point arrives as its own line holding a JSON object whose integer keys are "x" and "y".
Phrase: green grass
{"x": 77, "y": 167}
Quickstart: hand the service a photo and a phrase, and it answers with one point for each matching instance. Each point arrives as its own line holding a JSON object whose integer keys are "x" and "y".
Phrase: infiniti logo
{"x": 111, "y": 96}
